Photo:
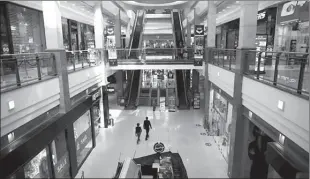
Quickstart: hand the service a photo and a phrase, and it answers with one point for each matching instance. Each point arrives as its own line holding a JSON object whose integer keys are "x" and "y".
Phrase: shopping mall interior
{"x": 154, "y": 89}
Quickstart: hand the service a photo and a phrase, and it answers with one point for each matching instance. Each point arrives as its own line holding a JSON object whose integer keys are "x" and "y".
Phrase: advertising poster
{"x": 112, "y": 53}
{"x": 199, "y": 44}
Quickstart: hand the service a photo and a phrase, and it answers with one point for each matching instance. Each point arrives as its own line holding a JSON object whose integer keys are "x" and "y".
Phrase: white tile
{"x": 177, "y": 130}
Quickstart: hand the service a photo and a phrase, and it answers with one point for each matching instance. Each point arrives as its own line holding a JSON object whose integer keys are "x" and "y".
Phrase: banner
{"x": 293, "y": 11}
{"x": 199, "y": 44}
{"x": 112, "y": 53}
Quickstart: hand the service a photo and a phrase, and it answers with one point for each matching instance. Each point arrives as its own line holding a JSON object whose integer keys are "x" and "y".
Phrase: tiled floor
{"x": 178, "y": 131}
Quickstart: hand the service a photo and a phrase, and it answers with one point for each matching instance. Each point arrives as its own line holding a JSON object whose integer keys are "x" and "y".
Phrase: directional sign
{"x": 159, "y": 147}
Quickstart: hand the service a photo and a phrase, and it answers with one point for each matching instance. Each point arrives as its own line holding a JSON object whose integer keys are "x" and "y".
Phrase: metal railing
{"x": 225, "y": 58}
{"x": 19, "y": 69}
{"x": 83, "y": 58}
{"x": 286, "y": 70}
{"x": 150, "y": 55}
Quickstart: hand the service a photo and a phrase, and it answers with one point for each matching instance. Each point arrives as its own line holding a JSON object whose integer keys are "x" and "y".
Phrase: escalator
{"x": 177, "y": 29}
{"x": 134, "y": 90}
{"x": 136, "y": 35}
{"x": 181, "y": 87}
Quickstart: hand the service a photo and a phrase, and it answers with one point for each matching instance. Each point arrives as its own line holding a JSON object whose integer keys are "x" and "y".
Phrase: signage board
{"x": 159, "y": 147}
{"x": 199, "y": 30}
{"x": 293, "y": 11}
{"x": 196, "y": 101}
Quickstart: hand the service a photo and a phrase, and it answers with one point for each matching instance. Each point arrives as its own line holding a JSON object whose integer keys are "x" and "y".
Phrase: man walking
{"x": 147, "y": 125}
{"x": 138, "y": 132}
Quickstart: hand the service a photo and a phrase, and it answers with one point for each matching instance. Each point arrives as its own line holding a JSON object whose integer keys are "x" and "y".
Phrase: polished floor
{"x": 177, "y": 130}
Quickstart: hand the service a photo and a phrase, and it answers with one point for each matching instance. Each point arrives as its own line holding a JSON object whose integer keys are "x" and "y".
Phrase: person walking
{"x": 138, "y": 132}
{"x": 147, "y": 125}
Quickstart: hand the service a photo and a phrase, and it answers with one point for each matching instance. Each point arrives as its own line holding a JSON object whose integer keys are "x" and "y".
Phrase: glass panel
{"x": 96, "y": 117}
{"x": 83, "y": 137}
{"x": 25, "y": 28}
{"x": 38, "y": 166}
{"x": 4, "y": 38}
{"x": 60, "y": 156}
{"x": 65, "y": 33}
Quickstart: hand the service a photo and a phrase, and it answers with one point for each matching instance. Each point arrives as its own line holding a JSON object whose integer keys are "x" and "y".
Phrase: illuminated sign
{"x": 261, "y": 16}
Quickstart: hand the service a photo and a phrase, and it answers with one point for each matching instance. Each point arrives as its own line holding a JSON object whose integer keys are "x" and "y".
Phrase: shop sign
{"x": 293, "y": 11}
{"x": 83, "y": 140}
{"x": 96, "y": 95}
{"x": 261, "y": 15}
{"x": 196, "y": 101}
{"x": 110, "y": 89}
{"x": 159, "y": 147}
{"x": 110, "y": 30}
{"x": 199, "y": 30}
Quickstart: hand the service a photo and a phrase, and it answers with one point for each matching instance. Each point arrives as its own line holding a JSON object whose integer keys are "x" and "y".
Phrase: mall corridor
{"x": 177, "y": 131}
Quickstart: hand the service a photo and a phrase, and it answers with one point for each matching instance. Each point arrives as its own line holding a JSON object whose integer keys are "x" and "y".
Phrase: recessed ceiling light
{"x": 237, "y": 2}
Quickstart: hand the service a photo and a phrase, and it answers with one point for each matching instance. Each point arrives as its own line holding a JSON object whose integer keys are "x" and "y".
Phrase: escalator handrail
{"x": 173, "y": 33}
{"x": 139, "y": 89}
{"x": 185, "y": 90}
{"x": 132, "y": 79}
{"x": 141, "y": 33}
{"x": 181, "y": 24}
{"x": 132, "y": 33}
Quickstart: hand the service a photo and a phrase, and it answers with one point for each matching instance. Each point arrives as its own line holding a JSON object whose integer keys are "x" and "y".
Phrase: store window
{"x": 27, "y": 29}
{"x": 38, "y": 167}
{"x": 96, "y": 117}
{"x": 60, "y": 156}
{"x": 65, "y": 33}
{"x": 4, "y": 39}
{"x": 83, "y": 137}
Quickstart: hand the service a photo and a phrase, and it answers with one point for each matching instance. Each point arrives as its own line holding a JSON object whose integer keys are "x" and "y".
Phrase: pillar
{"x": 106, "y": 108}
{"x": 211, "y": 24}
{"x": 239, "y": 126}
{"x": 54, "y": 44}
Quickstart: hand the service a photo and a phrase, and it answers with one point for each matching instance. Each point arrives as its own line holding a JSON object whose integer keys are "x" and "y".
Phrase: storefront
{"x": 220, "y": 116}
{"x": 22, "y": 29}
{"x": 269, "y": 152}
{"x": 58, "y": 147}
{"x": 227, "y": 35}
{"x": 292, "y": 28}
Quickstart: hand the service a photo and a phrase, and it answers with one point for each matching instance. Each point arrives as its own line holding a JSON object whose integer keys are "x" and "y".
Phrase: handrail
{"x": 284, "y": 70}
{"x": 174, "y": 36}
{"x": 132, "y": 33}
{"x": 132, "y": 78}
{"x": 185, "y": 89}
{"x": 139, "y": 89}
{"x": 181, "y": 24}
{"x": 26, "y": 68}
{"x": 141, "y": 33}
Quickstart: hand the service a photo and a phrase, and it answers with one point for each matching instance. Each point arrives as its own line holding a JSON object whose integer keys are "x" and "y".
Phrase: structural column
{"x": 54, "y": 44}
{"x": 240, "y": 126}
{"x": 100, "y": 23}
{"x": 211, "y": 24}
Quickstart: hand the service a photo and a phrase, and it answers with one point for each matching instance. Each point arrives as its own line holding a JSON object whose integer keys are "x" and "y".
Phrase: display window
{"x": 96, "y": 117}
{"x": 38, "y": 167}
{"x": 219, "y": 123}
{"x": 60, "y": 156}
{"x": 87, "y": 37}
{"x": 83, "y": 136}
{"x": 27, "y": 29}
{"x": 4, "y": 34}
{"x": 65, "y": 33}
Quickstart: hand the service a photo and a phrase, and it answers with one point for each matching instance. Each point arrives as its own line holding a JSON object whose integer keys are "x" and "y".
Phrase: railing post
{"x": 72, "y": 58}
{"x": 38, "y": 67}
{"x": 229, "y": 55}
{"x": 18, "y": 82}
{"x": 276, "y": 71}
{"x": 83, "y": 58}
{"x": 258, "y": 64}
{"x": 301, "y": 75}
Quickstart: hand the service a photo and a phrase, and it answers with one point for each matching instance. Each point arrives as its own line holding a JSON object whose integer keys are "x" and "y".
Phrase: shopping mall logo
{"x": 290, "y": 7}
